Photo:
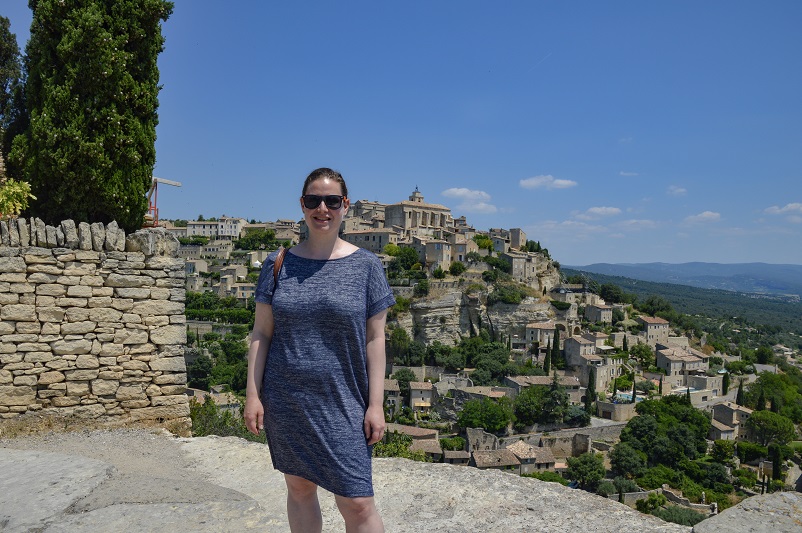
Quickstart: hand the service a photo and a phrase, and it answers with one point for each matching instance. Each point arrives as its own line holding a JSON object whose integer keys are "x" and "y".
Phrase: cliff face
{"x": 452, "y": 314}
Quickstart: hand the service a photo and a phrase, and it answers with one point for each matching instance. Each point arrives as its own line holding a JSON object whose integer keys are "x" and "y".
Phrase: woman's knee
{"x": 358, "y": 509}
{"x": 299, "y": 488}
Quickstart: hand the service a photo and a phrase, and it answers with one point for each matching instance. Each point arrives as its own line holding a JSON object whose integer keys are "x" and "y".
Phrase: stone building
{"x": 416, "y": 217}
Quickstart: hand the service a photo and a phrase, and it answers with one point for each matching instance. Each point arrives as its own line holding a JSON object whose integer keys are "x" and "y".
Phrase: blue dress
{"x": 315, "y": 388}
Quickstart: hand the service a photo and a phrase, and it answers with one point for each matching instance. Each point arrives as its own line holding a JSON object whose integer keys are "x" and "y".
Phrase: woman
{"x": 316, "y": 363}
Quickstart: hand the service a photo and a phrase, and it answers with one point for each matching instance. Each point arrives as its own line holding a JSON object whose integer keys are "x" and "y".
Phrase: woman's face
{"x": 322, "y": 219}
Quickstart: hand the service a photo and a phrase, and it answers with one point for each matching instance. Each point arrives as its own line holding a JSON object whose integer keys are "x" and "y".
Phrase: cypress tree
{"x": 725, "y": 383}
{"x": 761, "y": 401}
{"x": 547, "y": 360}
{"x": 625, "y": 346}
{"x": 739, "y": 396}
{"x": 91, "y": 95}
{"x": 590, "y": 394}
{"x": 688, "y": 394}
{"x": 775, "y": 454}
{"x": 633, "y": 390}
{"x": 555, "y": 347}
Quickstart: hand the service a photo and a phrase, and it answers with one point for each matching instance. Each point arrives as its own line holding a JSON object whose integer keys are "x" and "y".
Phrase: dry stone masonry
{"x": 92, "y": 322}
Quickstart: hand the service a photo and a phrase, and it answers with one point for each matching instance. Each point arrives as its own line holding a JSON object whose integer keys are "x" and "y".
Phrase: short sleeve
{"x": 380, "y": 296}
{"x": 266, "y": 283}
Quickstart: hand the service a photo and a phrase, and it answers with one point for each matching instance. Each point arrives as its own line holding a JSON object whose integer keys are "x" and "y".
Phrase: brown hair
{"x": 322, "y": 173}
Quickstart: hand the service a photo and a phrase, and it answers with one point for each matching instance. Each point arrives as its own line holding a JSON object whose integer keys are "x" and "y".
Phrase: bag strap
{"x": 277, "y": 265}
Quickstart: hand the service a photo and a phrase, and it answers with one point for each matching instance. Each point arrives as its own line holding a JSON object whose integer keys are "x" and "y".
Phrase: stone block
{"x": 8, "y": 348}
{"x": 38, "y": 357}
{"x": 27, "y": 299}
{"x": 165, "y": 263}
{"x": 11, "y": 395}
{"x": 19, "y": 366}
{"x": 77, "y": 314}
{"x": 45, "y": 301}
{"x": 133, "y": 292}
{"x": 180, "y": 410}
{"x": 71, "y": 302}
{"x": 18, "y": 312}
{"x": 139, "y": 350}
{"x": 79, "y": 268}
{"x": 75, "y": 347}
{"x": 51, "y": 314}
{"x": 70, "y": 233}
{"x": 77, "y": 388}
{"x": 157, "y": 401}
{"x": 135, "y": 365}
{"x": 132, "y": 392}
{"x": 80, "y": 291}
{"x": 7, "y": 328}
{"x": 6, "y": 377}
{"x": 47, "y": 269}
{"x": 122, "y": 304}
{"x": 170, "y": 379}
{"x": 78, "y": 328}
{"x": 105, "y": 387}
{"x": 178, "y": 319}
{"x": 68, "y": 281}
{"x": 50, "y": 328}
{"x": 119, "y": 280}
{"x": 92, "y": 281}
{"x": 13, "y": 277}
{"x": 99, "y": 301}
{"x": 23, "y": 232}
{"x": 28, "y": 327}
{"x": 102, "y": 291}
{"x": 65, "y": 401}
{"x": 33, "y": 347}
{"x": 168, "y": 364}
{"x": 87, "y": 256}
{"x": 12, "y": 264}
{"x": 130, "y": 336}
{"x": 169, "y": 335}
{"x": 9, "y": 298}
{"x": 25, "y": 381}
{"x": 58, "y": 364}
{"x": 87, "y": 361}
{"x": 160, "y": 294}
{"x": 100, "y": 314}
{"x": 98, "y": 236}
{"x": 110, "y": 375}
{"x": 12, "y": 358}
{"x": 22, "y": 288}
{"x": 48, "y": 378}
{"x": 157, "y": 320}
{"x": 110, "y": 349}
{"x": 173, "y": 389}
{"x": 51, "y": 289}
{"x": 80, "y": 375}
{"x": 131, "y": 318}
{"x": 89, "y": 411}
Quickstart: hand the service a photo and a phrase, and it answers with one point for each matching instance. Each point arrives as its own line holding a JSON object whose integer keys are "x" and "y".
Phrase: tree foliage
{"x": 91, "y": 95}
{"x": 771, "y": 427}
{"x": 492, "y": 415}
{"x": 587, "y": 470}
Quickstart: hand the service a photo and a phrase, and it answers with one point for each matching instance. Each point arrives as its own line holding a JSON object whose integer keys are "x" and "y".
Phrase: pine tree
{"x": 739, "y": 396}
{"x": 91, "y": 95}
{"x": 590, "y": 393}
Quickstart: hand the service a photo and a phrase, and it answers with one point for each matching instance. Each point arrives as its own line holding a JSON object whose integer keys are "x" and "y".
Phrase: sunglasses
{"x": 333, "y": 201}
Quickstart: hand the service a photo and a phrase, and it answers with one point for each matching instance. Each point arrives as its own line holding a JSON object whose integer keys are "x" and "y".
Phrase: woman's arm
{"x": 261, "y": 336}
{"x": 376, "y": 360}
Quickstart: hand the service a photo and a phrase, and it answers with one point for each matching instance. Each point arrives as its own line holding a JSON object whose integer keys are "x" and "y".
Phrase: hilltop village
{"x": 454, "y": 283}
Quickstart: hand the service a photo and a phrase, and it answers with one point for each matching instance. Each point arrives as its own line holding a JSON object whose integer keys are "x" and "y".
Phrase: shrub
{"x": 679, "y": 515}
{"x": 209, "y": 419}
{"x": 561, "y": 306}
{"x": 552, "y": 477}
{"x": 452, "y": 443}
{"x": 397, "y": 445}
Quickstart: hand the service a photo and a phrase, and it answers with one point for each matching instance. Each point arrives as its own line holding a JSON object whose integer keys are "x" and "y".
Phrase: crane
{"x": 152, "y": 216}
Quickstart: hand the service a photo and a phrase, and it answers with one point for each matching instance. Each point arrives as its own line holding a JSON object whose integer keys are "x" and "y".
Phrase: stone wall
{"x": 92, "y": 322}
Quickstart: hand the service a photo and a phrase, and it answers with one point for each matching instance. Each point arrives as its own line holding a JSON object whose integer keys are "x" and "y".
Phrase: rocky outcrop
{"x": 92, "y": 323}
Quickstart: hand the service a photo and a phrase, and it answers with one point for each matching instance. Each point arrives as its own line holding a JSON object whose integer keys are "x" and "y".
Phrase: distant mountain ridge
{"x": 756, "y": 278}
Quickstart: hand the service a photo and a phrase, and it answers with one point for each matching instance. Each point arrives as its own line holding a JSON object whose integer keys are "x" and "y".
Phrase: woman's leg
{"x": 303, "y": 508}
{"x": 360, "y": 514}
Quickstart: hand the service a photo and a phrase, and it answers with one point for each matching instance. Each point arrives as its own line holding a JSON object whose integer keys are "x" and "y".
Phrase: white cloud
{"x": 707, "y": 216}
{"x": 548, "y": 182}
{"x": 627, "y": 174}
{"x": 598, "y": 212}
{"x": 636, "y": 224}
{"x": 675, "y": 190}
{"x": 625, "y": 140}
{"x": 790, "y": 209}
{"x": 471, "y": 201}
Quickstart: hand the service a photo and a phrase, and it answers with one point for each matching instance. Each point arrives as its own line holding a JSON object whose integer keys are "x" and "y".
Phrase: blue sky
{"x": 609, "y": 131}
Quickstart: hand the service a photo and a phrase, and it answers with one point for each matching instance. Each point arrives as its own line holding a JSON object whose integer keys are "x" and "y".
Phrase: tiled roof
{"x": 456, "y": 454}
{"x": 653, "y": 319}
{"x": 391, "y": 385}
{"x": 420, "y": 385}
{"x": 525, "y": 381}
{"x": 426, "y": 445}
{"x": 541, "y": 325}
{"x": 495, "y": 458}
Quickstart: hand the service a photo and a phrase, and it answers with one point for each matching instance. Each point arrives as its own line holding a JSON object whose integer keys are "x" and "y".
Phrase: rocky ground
{"x": 141, "y": 480}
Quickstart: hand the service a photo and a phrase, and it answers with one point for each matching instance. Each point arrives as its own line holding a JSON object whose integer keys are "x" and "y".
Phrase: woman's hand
{"x": 374, "y": 424}
{"x": 254, "y": 415}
